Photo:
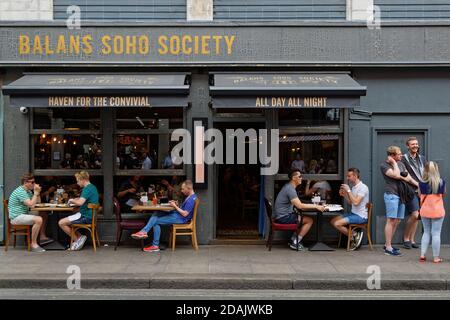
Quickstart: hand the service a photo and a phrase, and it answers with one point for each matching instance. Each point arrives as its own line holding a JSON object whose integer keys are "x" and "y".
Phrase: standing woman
{"x": 432, "y": 211}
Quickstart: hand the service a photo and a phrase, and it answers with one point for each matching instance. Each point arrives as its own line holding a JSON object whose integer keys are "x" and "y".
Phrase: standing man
{"x": 284, "y": 209}
{"x": 414, "y": 163}
{"x": 89, "y": 195}
{"x": 146, "y": 162}
{"x": 20, "y": 201}
{"x": 394, "y": 171}
{"x": 358, "y": 197}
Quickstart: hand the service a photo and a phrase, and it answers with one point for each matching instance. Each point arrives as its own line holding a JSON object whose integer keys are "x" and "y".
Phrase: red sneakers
{"x": 139, "y": 235}
{"x": 151, "y": 248}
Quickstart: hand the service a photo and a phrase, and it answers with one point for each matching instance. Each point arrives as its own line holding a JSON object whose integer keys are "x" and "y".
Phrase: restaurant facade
{"x": 106, "y": 97}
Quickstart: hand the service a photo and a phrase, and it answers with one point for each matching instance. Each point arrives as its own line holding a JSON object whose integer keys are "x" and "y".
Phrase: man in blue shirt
{"x": 180, "y": 215}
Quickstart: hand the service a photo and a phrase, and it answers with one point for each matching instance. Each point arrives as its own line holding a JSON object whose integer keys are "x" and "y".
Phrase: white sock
{"x": 299, "y": 238}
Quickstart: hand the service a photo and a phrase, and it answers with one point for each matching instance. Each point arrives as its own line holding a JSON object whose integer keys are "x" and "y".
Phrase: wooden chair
{"x": 187, "y": 229}
{"x": 91, "y": 227}
{"x": 124, "y": 224}
{"x": 16, "y": 230}
{"x": 365, "y": 226}
{"x": 273, "y": 226}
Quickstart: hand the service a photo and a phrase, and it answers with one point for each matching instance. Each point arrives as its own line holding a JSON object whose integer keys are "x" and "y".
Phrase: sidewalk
{"x": 222, "y": 267}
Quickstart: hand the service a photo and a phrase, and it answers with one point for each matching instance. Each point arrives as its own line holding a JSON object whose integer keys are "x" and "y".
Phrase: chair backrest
{"x": 369, "y": 207}
{"x": 117, "y": 210}
{"x": 268, "y": 209}
{"x": 194, "y": 216}
{"x": 94, "y": 207}
{"x": 6, "y": 211}
{"x": 5, "y": 208}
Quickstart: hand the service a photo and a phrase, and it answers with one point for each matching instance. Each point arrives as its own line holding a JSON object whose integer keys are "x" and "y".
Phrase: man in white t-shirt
{"x": 358, "y": 197}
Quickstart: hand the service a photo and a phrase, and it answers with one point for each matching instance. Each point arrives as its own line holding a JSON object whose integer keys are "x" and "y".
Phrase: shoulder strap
{"x": 424, "y": 198}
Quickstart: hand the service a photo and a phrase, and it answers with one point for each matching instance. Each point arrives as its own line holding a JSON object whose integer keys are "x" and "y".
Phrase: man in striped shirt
{"x": 21, "y": 199}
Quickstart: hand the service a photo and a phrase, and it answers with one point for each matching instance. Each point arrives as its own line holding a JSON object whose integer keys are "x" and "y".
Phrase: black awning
{"x": 99, "y": 90}
{"x": 285, "y": 90}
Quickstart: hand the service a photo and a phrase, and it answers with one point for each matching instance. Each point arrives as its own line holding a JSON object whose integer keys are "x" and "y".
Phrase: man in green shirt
{"x": 20, "y": 201}
{"x": 89, "y": 194}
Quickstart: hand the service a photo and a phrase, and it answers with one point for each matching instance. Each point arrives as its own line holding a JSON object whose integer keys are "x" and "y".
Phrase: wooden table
{"x": 320, "y": 245}
{"x": 152, "y": 208}
{"x": 56, "y": 245}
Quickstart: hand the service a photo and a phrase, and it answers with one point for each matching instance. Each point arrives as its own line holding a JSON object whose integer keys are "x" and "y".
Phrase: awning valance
{"x": 285, "y": 90}
{"x": 99, "y": 90}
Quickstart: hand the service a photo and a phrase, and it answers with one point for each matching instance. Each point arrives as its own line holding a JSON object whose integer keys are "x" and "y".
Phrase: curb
{"x": 244, "y": 282}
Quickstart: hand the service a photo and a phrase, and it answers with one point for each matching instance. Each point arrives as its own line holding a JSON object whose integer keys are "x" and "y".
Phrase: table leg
{"x": 53, "y": 221}
{"x": 319, "y": 245}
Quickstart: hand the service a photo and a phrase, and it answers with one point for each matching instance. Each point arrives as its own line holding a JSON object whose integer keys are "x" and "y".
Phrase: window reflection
{"x": 150, "y": 118}
{"x": 311, "y": 154}
{"x": 67, "y": 151}
{"x": 145, "y": 151}
{"x": 66, "y": 118}
{"x": 309, "y": 117}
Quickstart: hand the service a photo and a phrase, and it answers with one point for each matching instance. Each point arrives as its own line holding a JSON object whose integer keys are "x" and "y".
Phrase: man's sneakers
{"x": 356, "y": 239}
{"x": 151, "y": 248}
{"x": 139, "y": 235}
{"x": 78, "y": 244}
{"x": 394, "y": 252}
{"x": 293, "y": 245}
{"x": 410, "y": 245}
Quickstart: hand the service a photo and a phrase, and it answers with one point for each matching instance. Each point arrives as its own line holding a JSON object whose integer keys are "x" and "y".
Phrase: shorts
{"x": 353, "y": 218}
{"x": 24, "y": 219}
{"x": 77, "y": 218}
{"x": 413, "y": 205}
{"x": 394, "y": 208}
{"x": 290, "y": 219}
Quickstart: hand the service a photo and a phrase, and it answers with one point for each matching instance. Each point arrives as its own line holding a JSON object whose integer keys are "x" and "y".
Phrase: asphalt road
{"x": 160, "y": 294}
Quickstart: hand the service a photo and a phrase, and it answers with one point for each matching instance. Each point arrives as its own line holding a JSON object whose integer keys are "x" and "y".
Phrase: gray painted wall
{"x": 402, "y": 103}
{"x": 282, "y": 10}
{"x": 118, "y": 10}
{"x": 414, "y": 9}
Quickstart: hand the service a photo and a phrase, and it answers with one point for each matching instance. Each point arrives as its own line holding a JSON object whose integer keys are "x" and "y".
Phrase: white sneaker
{"x": 81, "y": 242}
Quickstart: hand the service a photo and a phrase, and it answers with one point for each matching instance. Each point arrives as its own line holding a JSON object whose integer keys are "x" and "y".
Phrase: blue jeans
{"x": 161, "y": 218}
{"x": 431, "y": 229}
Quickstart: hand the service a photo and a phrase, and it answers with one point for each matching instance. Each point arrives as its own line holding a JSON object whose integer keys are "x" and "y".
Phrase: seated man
{"x": 127, "y": 194}
{"x": 180, "y": 215}
{"x": 358, "y": 197}
{"x": 89, "y": 194}
{"x": 21, "y": 199}
{"x": 284, "y": 209}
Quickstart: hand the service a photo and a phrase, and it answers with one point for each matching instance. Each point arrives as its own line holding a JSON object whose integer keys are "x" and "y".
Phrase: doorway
{"x": 238, "y": 192}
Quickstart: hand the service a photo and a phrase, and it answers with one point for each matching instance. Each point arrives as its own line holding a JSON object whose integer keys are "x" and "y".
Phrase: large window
{"x": 143, "y": 141}
{"x": 311, "y": 140}
{"x": 311, "y": 154}
{"x": 66, "y": 138}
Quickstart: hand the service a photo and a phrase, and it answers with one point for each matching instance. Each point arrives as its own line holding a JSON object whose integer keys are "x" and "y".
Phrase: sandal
{"x": 422, "y": 259}
{"x": 437, "y": 260}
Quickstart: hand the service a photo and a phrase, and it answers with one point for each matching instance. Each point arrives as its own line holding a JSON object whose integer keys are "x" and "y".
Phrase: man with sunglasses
{"x": 21, "y": 200}
{"x": 284, "y": 209}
